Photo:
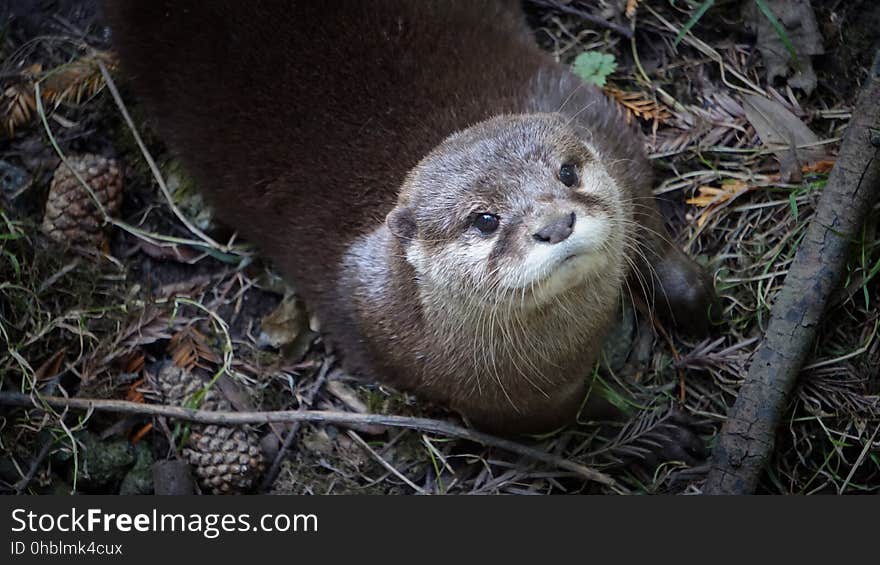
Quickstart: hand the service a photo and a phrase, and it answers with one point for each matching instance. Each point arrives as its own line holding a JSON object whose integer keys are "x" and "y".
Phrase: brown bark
{"x": 748, "y": 435}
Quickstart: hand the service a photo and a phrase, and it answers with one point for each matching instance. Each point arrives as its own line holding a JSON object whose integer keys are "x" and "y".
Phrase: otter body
{"x": 460, "y": 212}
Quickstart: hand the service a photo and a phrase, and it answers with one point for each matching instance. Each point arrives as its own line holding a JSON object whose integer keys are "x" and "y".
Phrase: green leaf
{"x": 693, "y": 20}
{"x": 794, "y": 207}
{"x": 594, "y": 67}
{"x": 13, "y": 260}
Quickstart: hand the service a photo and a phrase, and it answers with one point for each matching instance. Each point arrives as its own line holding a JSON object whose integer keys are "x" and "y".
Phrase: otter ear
{"x": 402, "y": 224}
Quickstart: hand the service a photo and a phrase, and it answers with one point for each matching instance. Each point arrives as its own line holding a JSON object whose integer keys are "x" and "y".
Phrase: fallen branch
{"x": 747, "y": 437}
{"x": 322, "y": 416}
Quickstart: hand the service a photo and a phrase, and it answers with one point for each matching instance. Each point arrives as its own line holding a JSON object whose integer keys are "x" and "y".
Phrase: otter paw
{"x": 684, "y": 294}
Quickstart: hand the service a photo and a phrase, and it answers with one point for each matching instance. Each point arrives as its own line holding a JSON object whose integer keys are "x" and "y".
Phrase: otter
{"x": 460, "y": 212}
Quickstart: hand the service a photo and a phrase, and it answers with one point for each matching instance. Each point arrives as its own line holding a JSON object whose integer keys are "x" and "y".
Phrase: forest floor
{"x": 103, "y": 320}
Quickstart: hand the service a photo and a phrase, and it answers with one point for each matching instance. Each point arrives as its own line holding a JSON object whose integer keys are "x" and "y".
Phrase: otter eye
{"x": 568, "y": 175}
{"x": 486, "y": 223}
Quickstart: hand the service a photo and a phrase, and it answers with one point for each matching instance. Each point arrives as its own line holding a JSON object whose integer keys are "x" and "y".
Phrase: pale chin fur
{"x": 550, "y": 269}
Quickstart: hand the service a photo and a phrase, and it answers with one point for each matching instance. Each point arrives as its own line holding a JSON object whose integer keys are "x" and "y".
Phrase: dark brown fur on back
{"x": 302, "y": 119}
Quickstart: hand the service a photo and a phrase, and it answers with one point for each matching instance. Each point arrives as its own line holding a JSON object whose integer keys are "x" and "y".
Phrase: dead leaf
{"x": 235, "y": 393}
{"x": 801, "y": 28}
{"x": 284, "y": 324}
{"x": 780, "y": 130}
{"x": 711, "y": 198}
{"x": 709, "y": 195}
{"x": 821, "y": 167}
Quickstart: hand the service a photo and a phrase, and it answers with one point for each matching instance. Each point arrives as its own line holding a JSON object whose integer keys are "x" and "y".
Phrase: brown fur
{"x": 303, "y": 120}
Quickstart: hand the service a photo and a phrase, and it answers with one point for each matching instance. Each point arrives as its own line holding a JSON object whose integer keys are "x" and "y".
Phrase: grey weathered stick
{"x": 239, "y": 418}
{"x": 747, "y": 437}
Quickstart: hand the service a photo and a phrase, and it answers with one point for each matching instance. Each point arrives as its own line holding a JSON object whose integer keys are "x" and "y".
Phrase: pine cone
{"x": 71, "y": 214}
{"x": 226, "y": 459}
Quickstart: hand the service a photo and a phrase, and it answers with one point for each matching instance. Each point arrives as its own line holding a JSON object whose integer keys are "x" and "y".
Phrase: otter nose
{"x": 557, "y": 230}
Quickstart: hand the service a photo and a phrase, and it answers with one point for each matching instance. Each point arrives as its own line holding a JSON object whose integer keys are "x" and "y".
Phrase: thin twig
{"x": 599, "y": 21}
{"x": 159, "y": 240}
{"x": 366, "y": 446}
{"x": 157, "y": 174}
{"x": 272, "y": 473}
{"x": 21, "y": 485}
{"x": 858, "y": 463}
{"x": 324, "y": 416}
{"x": 708, "y": 51}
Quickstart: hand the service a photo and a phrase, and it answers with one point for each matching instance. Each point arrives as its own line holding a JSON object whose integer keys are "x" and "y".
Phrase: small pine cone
{"x": 71, "y": 214}
{"x": 226, "y": 459}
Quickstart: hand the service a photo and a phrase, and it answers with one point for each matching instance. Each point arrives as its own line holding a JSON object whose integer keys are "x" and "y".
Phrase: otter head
{"x": 515, "y": 206}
